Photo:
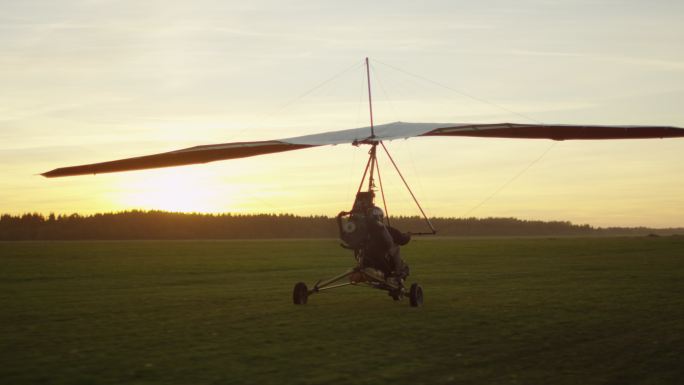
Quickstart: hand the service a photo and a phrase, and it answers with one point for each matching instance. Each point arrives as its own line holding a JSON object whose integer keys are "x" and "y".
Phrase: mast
{"x": 373, "y": 159}
{"x": 370, "y": 101}
{"x": 373, "y": 167}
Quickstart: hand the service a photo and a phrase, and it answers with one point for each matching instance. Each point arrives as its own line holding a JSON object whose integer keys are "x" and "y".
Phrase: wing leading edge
{"x": 558, "y": 131}
{"x": 398, "y": 130}
{"x": 187, "y": 156}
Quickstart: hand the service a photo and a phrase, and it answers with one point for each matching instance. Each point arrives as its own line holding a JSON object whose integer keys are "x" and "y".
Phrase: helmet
{"x": 376, "y": 213}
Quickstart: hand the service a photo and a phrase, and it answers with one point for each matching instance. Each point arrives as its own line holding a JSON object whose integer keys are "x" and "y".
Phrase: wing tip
{"x": 58, "y": 172}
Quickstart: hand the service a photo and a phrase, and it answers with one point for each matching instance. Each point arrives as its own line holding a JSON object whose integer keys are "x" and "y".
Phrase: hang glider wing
{"x": 557, "y": 131}
{"x": 398, "y": 130}
{"x": 186, "y": 156}
{"x": 490, "y": 130}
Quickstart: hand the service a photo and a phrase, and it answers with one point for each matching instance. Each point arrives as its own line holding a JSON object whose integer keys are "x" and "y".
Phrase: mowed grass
{"x": 497, "y": 311}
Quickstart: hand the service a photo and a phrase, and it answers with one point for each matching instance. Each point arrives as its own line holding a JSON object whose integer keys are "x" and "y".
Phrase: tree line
{"x": 167, "y": 225}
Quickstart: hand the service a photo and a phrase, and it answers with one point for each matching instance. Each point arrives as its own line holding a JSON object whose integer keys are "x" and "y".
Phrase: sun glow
{"x": 181, "y": 189}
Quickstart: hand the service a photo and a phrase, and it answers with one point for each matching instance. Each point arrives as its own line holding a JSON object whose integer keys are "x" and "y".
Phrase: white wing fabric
{"x": 397, "y": 130}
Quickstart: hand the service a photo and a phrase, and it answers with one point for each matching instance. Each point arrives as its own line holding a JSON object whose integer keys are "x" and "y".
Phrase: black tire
{"x": 300, "y": 294}
{"x": 416, "y": 295}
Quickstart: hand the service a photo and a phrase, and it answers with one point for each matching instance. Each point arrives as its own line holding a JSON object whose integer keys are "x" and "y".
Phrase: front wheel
{"x": 300, "y": 294}
{"x": 416, "y": 295}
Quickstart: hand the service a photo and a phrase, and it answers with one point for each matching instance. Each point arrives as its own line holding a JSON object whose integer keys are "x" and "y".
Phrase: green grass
{"x": 497, "y": 311}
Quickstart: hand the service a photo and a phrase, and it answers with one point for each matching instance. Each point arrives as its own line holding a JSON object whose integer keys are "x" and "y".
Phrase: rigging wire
{"x": 384, "y": 92}
{"x": 416, "y": 174}
{"x": 361, "y": 95}
{"x": 396, "y": 117}
{"x": 472, "y": 97}
{"x": 297, "y": 98}
{"x": 352, "y": 164}
{"x": 408, "y": 90}
{"x": 408, "y": 188}
{"x": 316, "y": 87}
{"x": 382, "y": 192}
{"x": 467, "y": 95}
{"x": 268, "y": 115}
{"x": 511, "y": 180}
{"x": 394, "y": 112}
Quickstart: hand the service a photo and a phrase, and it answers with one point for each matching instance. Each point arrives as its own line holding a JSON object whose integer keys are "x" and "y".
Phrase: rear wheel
{"x": 416, "y": 295}
{"x": 300, "y": 294}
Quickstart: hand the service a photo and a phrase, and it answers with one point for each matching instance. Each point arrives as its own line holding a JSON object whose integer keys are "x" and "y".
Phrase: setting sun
{"x": 181, "y": 189}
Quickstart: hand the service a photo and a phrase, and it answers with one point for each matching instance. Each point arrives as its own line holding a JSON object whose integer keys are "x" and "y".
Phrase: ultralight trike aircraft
{"x": 353, "y": 225}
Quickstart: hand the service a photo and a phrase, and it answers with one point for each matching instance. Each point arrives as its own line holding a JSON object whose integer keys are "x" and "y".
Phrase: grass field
{"x": 497, "y": 311}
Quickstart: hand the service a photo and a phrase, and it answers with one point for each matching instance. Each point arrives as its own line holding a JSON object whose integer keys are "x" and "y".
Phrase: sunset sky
{"x": 91, "y": 81}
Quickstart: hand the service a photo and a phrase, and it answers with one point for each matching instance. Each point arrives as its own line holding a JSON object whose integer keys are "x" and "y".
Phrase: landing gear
{"x": 359, "y": 276}
{"x": 300, "y": 294}
{"x": 416, "y": 295}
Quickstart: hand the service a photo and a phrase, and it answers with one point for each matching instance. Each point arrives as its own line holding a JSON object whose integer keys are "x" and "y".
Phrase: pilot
{"x": 384, "y": 244}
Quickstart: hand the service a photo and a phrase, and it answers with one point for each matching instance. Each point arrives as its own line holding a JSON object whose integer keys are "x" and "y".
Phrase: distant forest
{"x": 166, "y": 225}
